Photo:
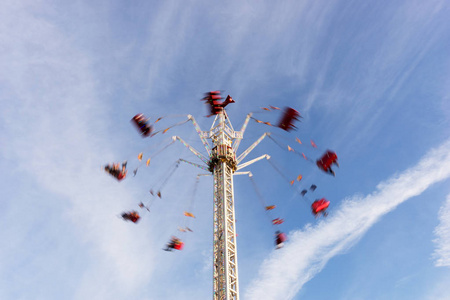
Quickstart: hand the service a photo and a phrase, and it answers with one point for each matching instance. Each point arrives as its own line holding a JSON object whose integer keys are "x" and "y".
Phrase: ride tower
{"x": 223, "y": 164}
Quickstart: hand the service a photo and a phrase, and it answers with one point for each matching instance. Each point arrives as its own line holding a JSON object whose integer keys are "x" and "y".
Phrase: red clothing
{"x": 288, "y": 118}
{"x": 281, "y": 238}
{"x": 319, "y": 206}
{"x": 178, "y": 246}
{"x": 122, "y": 175}
{"x": 327, "y": 160}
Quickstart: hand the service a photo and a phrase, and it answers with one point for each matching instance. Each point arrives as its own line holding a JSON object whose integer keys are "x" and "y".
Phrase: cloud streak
{"x": 285, "y": 272}
{"x": 442, "y": 241}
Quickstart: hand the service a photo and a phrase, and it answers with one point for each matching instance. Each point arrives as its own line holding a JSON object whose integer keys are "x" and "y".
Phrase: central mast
{"x": 223, "y": 164}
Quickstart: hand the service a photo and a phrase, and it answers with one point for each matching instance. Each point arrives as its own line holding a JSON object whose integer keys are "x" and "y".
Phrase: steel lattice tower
{"x": 223, "y": 164}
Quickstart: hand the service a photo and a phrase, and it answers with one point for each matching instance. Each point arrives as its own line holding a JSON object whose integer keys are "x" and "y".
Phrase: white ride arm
{"x": 249, "y": 149}
{"x": 198, "y": 154}
{"x": 194, "y": 164}
{"x": 244, "y": 173}
{"x": 266, "y": 156}
{"x": 200, "y": 134}
{"x": 244, "y": 126}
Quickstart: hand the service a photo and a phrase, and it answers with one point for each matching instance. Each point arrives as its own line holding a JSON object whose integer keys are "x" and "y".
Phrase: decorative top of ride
{"x": 212, "y": 98}
{"x": 221, "y": 130}
{"x": 221, "y": 133}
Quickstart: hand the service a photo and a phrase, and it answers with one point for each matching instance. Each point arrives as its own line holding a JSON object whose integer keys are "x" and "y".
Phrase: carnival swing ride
{"x": 222, "y": 162}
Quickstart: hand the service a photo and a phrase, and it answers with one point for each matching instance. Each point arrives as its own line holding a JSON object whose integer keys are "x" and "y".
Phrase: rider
{"x": 115, "y": 171}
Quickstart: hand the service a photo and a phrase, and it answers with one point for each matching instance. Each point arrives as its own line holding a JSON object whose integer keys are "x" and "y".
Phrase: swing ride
{"x": 223, "y": 164}
{"x": 132, "y": 216}
{"x": 142, "y": 125}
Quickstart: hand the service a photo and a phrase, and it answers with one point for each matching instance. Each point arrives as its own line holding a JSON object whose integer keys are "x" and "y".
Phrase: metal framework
{"x": 222, "y": 164}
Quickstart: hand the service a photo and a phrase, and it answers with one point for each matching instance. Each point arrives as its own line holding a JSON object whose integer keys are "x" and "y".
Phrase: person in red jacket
{"x": 280, "y": 238}
{"x": 175, "y": 243}
{"x": 319, "y": 207}
{"x": 324, "y": 163}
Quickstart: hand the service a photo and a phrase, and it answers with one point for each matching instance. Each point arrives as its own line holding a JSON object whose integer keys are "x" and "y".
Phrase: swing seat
{"x": 324, "y": 163}
{"x": 142, "y": 125}
{"x": 287, "y": 120}
{"x": 320, "y": 206}
{"x": 178, "y": 246}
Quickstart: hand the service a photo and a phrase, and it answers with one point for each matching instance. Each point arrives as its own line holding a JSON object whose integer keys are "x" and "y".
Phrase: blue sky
{"x": 370, "y": 80}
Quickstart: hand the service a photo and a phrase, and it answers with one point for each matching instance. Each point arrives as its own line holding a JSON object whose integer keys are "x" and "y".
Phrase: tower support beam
{"x": 223, "y": 164}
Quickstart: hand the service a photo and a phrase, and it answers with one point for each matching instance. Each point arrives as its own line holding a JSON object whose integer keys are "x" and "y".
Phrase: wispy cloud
{"x": 439, "y": 289}
{"x": 58, "y": 154}
{"x": 285, "y": 272}
{"x": 442, "y": 232}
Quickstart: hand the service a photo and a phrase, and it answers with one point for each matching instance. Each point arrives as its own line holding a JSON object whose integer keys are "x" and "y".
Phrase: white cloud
{"x": 286, "y": 271}
{"x": 442, "y": 231}
{"x": 54, "y": 117}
